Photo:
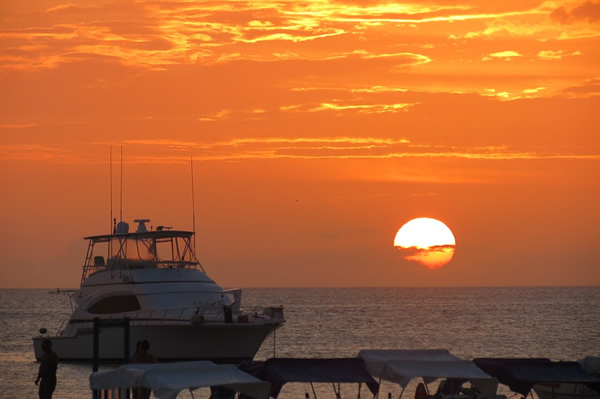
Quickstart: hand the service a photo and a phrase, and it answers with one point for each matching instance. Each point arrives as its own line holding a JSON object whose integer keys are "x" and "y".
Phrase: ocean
{"x": 560, "y": 323}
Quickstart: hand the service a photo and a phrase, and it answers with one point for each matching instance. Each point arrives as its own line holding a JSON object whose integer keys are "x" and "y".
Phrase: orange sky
{"x": 317, "y": 129}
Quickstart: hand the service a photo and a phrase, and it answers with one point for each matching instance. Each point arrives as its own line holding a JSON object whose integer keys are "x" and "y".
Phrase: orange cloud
{"x": 186, "y": 33}
{"x": 590, "y": 88}
{"x": 17, "y": 126}
{"x": 505, "y": 55}
{"x": 556, "y": 55}
{"x": 333, "y": 148}
{"x": 587, "y": 12}
{"x": 61, "y": 7}
{"x": 433, "y": 257}
{"x": 364, "y": 108}
{"x": 38, "y": 153}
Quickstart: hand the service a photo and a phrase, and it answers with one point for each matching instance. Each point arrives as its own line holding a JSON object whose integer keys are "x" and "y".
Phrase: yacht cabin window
{"x": 115, "y": 304}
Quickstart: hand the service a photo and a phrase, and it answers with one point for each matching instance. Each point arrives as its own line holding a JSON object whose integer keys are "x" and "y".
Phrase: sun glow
{"x": 426, "y": 241}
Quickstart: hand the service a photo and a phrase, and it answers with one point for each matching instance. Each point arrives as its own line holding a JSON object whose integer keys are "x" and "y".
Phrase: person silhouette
{"x": 142, "y": 355}
{"x": 47, "y": 372}
{"x": 138, "y": 349}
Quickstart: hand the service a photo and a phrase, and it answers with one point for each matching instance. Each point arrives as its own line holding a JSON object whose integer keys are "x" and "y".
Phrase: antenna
{"x": 193, "y": 203}
{"x": 121, "y": 189}
{"x": 111, "y": 190}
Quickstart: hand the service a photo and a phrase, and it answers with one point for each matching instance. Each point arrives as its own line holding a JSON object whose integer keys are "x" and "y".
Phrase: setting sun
{"x": 426, "y": 241}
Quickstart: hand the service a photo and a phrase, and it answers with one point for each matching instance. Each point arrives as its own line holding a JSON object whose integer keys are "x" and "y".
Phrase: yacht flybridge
{"x": 153, "y": 278}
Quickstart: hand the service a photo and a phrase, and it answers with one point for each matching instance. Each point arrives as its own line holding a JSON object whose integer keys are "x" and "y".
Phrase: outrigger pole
{"x": 193, "y": 204}
{"x": 121, "y": 189}
{"x": 111, "y": 191}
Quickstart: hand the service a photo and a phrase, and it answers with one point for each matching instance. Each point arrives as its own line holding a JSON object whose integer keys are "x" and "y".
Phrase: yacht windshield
{"x": 142, "y": 250}
{"x": 154, "y": 249}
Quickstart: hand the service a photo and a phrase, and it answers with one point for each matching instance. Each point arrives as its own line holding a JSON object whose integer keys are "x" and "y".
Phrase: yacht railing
{"x": 215, "y": 314}
{"x": 209, "y": 314}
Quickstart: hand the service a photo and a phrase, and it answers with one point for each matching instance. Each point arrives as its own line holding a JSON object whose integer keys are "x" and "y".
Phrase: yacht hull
{"x": 219, "y": 342}
{"x": 154, "y": 279}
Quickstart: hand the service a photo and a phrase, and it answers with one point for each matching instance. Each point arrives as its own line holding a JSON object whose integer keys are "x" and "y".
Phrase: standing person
{"x": 138, "y": 349}
{"x": 47, "y": 371}
{"x": 143, "y": 356}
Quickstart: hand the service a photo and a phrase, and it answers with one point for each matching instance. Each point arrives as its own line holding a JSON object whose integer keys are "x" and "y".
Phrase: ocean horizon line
{"x": 349, "y": 287}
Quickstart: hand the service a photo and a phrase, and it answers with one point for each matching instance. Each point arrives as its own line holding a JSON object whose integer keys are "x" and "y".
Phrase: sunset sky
{"x": 316, "y": 128}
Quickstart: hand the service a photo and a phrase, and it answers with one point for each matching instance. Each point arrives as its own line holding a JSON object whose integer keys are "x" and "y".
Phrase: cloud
{"x": 157, "y": 35}
{"x": 17, "y": 126}
{"x": 334, "y": 148}
{"x": 31, "y": 152}
{"x": 169, "y": 151}
{"x": 586, "y": 12}
{"x": 505, "y": 55}
{"x": 361, "y": 108}
{"x": 534, "y": 90}
{"x": 61, "y": 7}
{"x": 556, "y": 55}
{"x": 371, "y": 89}
{"x": 432, "y": 257}
{"x": 590, "y": 88}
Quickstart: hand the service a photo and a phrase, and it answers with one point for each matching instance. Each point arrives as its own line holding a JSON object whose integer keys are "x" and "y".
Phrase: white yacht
{"x": 152, "y": 277}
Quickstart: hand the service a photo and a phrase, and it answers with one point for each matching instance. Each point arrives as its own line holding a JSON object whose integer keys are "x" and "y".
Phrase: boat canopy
{"x": 142, "y": 235}
{"x": 142, "y": 249}
{"x": 401, "y": 366}
{"x": 166, "y": 380}
{"x": 590, "y": 364}
{"x": 279, "y": 371}
{"x": 521, "y": 374}
{"x": 375, "y": 359}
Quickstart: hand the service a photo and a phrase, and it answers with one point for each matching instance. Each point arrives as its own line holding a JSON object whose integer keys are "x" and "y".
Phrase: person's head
{"x": 46, "y": 345}
{"x": 145, "y": 345}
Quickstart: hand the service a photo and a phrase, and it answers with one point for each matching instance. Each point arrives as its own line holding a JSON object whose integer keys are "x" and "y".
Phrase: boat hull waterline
{"x": 219, "y": 343}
